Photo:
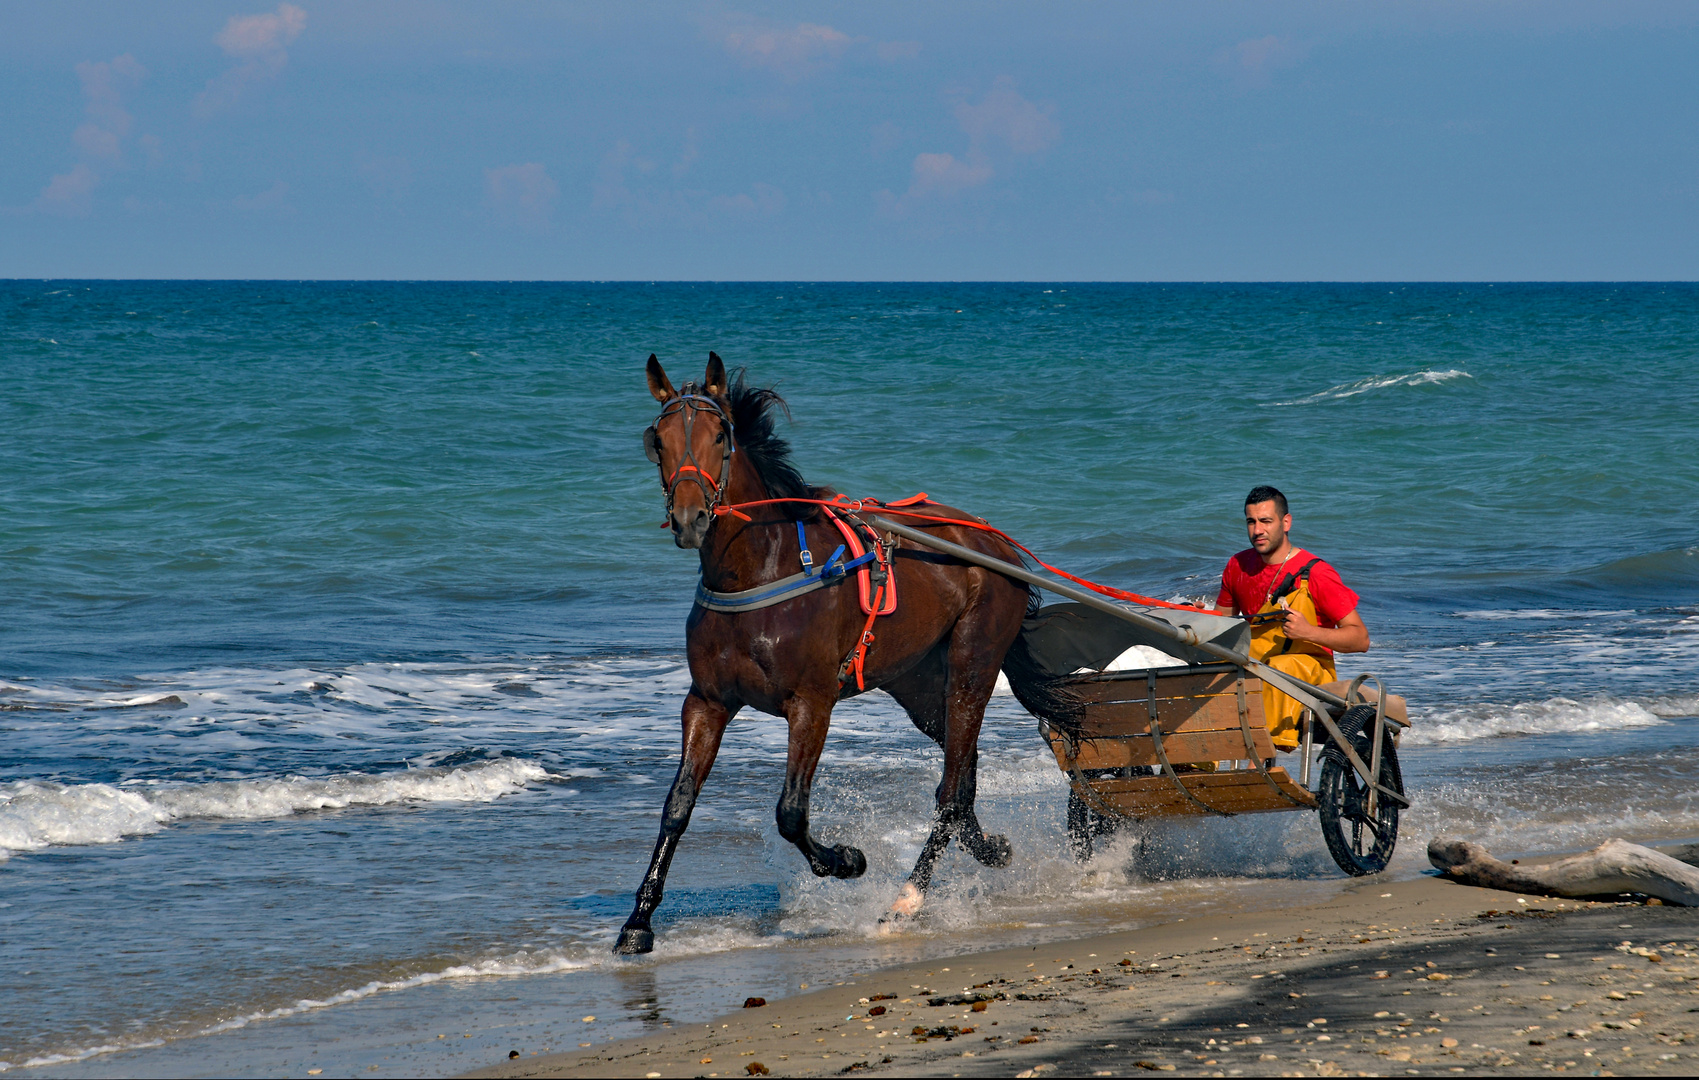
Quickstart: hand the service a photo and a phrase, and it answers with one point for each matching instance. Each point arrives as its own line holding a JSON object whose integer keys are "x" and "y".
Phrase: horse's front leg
{"x": 704, "y": 722}
{"x": 810, "y": 716}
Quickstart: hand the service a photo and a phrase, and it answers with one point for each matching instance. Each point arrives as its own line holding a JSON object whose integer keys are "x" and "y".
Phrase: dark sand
{"x": 1418, "y": 982}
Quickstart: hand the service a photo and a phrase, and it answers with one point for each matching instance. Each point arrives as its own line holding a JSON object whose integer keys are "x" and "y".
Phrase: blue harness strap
{"x": 833, "y": 571}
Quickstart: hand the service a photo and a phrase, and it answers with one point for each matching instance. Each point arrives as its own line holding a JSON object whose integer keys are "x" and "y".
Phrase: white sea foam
{"x": 1496, "y": 615}
{"x": 1376, "y": 382}
{"x": 36, "y": 814}
{"x": 1551, "y": 716}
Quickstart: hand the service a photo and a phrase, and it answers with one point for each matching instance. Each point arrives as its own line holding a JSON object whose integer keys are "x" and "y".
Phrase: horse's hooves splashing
{"x": 851, "y": 862}
{"x": 992, "y": 851}
{"x": 634, "y": 941}
{"x": 905, "y": 907}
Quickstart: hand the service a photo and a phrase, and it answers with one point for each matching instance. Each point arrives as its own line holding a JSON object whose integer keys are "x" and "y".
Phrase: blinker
{"x": 652, "y": 444}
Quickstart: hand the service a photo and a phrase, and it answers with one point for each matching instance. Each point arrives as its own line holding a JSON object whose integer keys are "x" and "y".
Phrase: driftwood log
{"x": 1613, "y": 867}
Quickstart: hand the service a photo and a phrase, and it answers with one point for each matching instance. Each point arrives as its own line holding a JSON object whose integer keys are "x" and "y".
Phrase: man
{"x": 1300, "y": 612}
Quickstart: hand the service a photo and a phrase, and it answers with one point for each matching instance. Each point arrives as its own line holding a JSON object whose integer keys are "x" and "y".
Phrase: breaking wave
{"x": 1375, "y": 382}
{"x": 35, "y": 814}
{"x": 1551, "y": 716}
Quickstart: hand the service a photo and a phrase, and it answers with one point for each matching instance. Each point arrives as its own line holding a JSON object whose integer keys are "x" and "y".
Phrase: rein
{"x": 895, "y": 509}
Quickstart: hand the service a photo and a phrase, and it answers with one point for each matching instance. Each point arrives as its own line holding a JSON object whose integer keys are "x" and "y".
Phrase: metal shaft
{"x": 1184, "y": 635}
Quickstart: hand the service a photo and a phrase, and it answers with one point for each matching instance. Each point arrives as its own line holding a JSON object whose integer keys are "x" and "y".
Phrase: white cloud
{"x": 644, "y": 195}
{"x": 521, "y": 194}
{"x": 68, "y": 194}
{"x": 96, "y": 141}
{"x": 1001, "y": 120}
{"x": 1004, "y": 115}
{"x": 761, "y": 201}
{"x": 1254, "y": 62}
{"x": 262, "y": 35}
{"x": 261, "y": 42}
{"x": 791, "y": 51}
{"x": 108, "y": 121}
{"x": 611, "y": 190}
{"x": 943, "y": 174}
{"x": 99, "y": 139}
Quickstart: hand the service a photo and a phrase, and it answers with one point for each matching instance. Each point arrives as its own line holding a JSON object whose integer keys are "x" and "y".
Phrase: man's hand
{"x": 1349, "y": 636}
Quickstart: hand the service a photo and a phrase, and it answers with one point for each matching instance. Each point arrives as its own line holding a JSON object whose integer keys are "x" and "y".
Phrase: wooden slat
{"x": 1110, "y": 687}
{"x": 1238, "y": 792}
{"x": 1182, "y": 748}
{"x": 1221, "y": 712}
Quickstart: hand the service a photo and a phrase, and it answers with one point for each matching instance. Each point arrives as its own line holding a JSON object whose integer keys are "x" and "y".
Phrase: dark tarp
{"x": 1062, "y": 638}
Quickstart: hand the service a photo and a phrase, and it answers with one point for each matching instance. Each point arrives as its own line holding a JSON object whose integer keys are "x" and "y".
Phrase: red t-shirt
{"x": 1246, "y": 584}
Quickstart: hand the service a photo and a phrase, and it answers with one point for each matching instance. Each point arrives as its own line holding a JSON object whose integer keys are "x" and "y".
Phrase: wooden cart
{"x": 1192, "y": 741}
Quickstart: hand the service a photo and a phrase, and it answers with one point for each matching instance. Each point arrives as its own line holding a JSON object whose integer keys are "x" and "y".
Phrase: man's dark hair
{"x": 1263, "y": 493}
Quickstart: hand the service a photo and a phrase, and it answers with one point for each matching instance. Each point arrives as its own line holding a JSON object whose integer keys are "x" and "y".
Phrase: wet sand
{"x": 1389, "y": 978}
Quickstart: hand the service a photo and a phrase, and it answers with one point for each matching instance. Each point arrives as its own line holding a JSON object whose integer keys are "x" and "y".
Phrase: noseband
{"x": 690, "y": 402}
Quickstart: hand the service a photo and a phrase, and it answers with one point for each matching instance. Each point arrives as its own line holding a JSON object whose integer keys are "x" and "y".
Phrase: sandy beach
{"x": 1411, "y": 977}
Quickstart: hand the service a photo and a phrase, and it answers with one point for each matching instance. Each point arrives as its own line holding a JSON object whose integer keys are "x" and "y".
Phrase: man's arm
{"x": 1349, "y": 636}
{"x": 1227, "y": 609}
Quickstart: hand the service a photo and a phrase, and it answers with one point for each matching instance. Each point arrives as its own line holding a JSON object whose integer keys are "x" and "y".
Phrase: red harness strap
{"x": 672, "y": 481}
{"x": 864, "y": 576}
{"x": 894, "y": 509}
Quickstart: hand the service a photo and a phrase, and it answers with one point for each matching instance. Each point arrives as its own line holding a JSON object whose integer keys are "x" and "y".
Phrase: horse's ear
{"x": 715, "y": 381}
{"x": 659, "y": 384}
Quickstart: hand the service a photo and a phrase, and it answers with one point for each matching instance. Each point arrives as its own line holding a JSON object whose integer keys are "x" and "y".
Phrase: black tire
{"x": 1360, "y": 842}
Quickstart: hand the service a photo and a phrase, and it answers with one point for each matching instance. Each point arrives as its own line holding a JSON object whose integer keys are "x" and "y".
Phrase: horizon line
{"x": 850, "y": 281}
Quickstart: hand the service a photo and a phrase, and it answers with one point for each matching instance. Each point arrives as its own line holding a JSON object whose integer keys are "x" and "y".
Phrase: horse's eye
{"x": 720, "y": 438}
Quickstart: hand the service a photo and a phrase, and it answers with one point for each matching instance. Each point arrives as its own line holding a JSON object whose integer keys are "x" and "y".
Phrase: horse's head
{"x": 692, "y": 443}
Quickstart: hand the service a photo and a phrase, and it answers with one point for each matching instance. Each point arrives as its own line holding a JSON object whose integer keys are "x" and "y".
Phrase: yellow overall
{"x": 1300, "y": 659}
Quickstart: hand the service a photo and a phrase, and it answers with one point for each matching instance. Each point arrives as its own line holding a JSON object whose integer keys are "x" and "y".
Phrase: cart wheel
{"x": 1085, "y": 825}
{"x": 1360, "y": 842}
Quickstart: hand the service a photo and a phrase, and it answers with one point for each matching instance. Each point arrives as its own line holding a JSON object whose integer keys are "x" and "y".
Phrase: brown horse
{"x": 938, "y": 654}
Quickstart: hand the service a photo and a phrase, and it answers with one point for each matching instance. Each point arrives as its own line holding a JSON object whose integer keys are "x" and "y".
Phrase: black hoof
{"x": 634, "y": 941}
{"x": 993, "y": 851}
{"x": 851, "y": 863}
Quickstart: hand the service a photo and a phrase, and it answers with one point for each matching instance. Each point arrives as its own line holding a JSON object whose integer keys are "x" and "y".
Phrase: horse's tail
{"x": 1042, "y": 692}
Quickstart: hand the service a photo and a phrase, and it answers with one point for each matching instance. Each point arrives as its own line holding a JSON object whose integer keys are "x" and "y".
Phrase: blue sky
{"x": 1063, "y": 141}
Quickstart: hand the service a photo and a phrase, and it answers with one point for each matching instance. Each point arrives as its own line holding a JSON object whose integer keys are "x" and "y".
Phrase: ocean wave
{"x": 1375, "y": 382}
{"x": 1499, "y": 614}
{"x": 1658, "y": 572}
{"x": 1551, "y": 716}
{"x": 35, "y": 814}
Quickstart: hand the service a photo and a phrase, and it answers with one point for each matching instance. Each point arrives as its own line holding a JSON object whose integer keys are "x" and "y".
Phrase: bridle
{"x": 691, "y": 401}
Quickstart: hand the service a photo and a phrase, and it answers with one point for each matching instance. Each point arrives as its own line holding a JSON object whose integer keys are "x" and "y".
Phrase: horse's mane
{"x": 755, "y": 412}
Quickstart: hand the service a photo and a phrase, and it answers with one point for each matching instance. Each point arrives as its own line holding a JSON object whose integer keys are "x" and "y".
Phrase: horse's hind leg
{"x": 959, "y": 689}
{"x": 810, "y": 717}
{"x": 704, "y": 722}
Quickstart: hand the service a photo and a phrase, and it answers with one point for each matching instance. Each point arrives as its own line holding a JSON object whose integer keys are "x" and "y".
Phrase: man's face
{"x": 1267, "y": 526}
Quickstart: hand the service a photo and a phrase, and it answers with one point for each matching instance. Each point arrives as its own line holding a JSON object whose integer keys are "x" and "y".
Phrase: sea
{"x": 341, "y": 655}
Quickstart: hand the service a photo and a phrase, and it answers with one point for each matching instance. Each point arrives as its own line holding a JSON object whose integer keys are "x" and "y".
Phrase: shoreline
{"x": 1389, "y": 977}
